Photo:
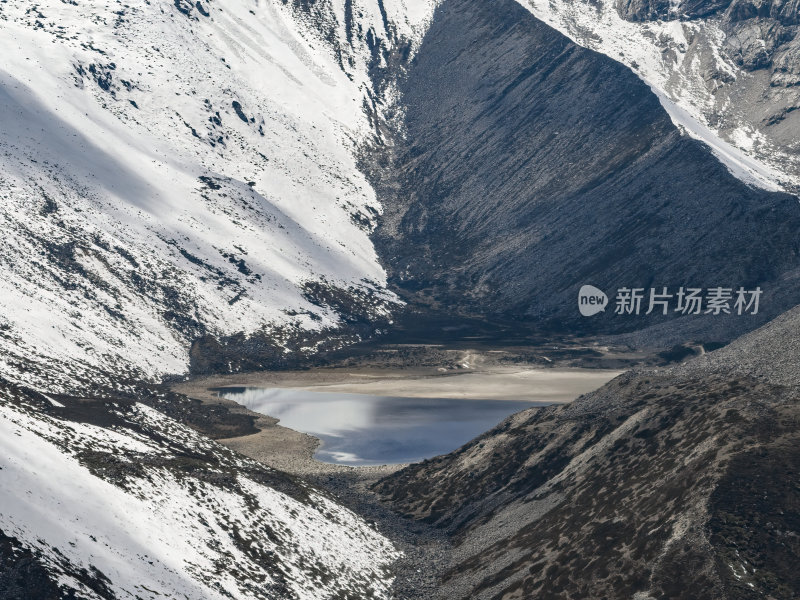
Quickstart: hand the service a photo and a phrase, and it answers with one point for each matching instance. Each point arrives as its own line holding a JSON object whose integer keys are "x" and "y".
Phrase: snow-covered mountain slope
{"x": 172, "y": 169}
{"x": 727, "y": 72}
{"x": 114, "y": 500}
{"x": 173, "y": 172}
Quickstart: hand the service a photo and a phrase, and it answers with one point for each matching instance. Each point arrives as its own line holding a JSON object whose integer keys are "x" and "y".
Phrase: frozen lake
{"x": 360, "y": 429}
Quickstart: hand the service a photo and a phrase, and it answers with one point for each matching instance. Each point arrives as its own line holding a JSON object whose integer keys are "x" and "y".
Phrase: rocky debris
{"x": 757, "y": 31}
{"x": 364, "y": 311}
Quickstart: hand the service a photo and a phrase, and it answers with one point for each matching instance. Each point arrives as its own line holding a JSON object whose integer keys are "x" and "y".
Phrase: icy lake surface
{"x": 359, "y": 429}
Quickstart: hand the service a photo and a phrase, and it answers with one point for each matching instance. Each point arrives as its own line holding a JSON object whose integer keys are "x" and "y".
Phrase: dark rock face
{"x": 765, "y": 35}
{"x": 786, "y": 12}
{"x": 678, "y": 483}
{"x": 760, "y": 34}
{"x": 22, "y": 574}
{"x": 531, "y": 166}
{"x": 643, "y": 10}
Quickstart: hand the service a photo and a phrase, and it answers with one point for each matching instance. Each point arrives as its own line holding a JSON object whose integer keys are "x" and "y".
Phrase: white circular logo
{"x": 591, "y": 300}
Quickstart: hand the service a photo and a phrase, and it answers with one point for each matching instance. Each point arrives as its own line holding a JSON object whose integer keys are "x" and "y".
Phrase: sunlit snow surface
{"x": 114, "y": 249}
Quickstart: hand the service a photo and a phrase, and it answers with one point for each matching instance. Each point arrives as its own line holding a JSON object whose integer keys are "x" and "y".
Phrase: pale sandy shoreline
{"x": 556, "y": 385}
{"x": 538, "y": 385}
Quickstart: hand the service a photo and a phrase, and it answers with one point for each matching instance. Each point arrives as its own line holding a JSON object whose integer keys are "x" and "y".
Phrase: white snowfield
{"x": 674, "y": 58}
{"x": 167, "y": 533}
{"x": 115, "y": 252}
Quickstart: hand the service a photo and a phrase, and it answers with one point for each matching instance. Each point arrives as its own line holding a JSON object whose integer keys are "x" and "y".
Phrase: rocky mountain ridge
{"x": 726, "y": 72}
{"x": 176, "y": 170}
